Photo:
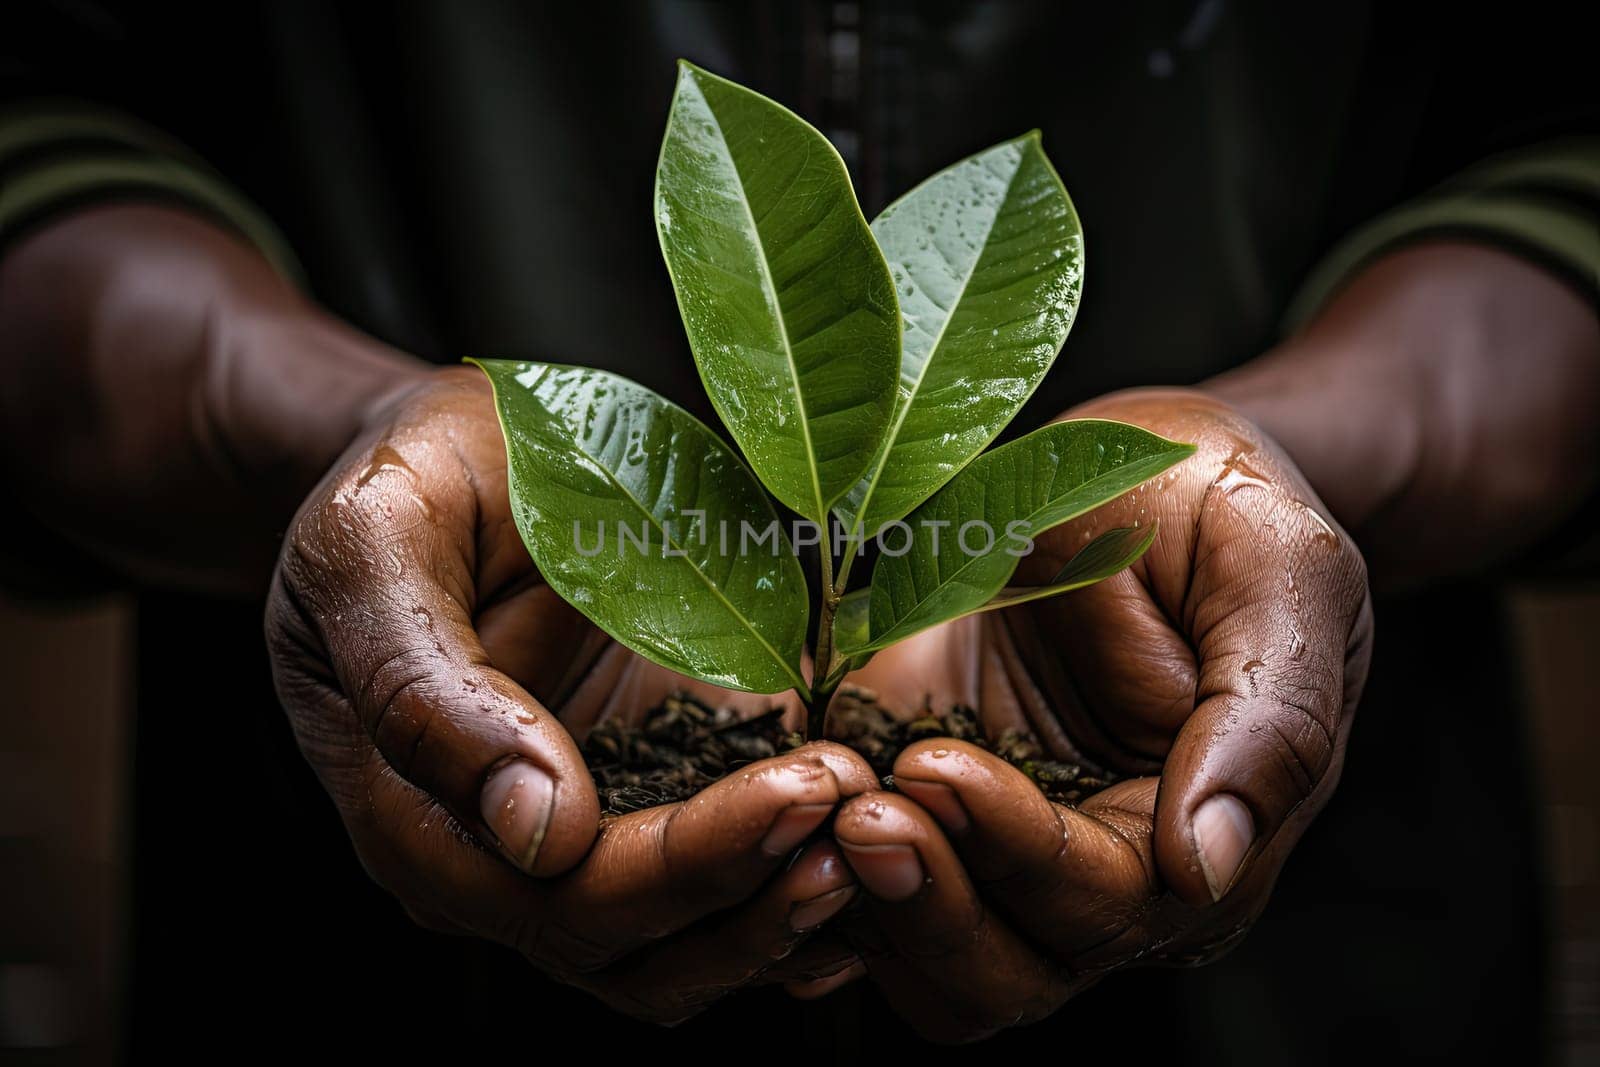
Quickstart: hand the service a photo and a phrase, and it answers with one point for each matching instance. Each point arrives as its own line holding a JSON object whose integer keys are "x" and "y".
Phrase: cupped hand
{"x": 1219, "y": 675}
{"x": 420, "y": 661}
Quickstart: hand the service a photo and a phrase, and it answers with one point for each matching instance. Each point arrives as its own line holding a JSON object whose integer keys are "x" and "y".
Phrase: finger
{"x": 678, "y": 978}
{"x": 824, "y": 954}
{"x": 380, "y": 571}
{"x": 937, "y": 926}
{"x": 1080, "y": 883}
{"x": 1123, "y": 709}
{"x": 817, "y": 988}
{"x": 539, "y": 640}
{"x": 655, "y": 872}
{"x": 649, "y": 875}
{"x": 1277, "y": 605}
{"x": 623, "y": 687}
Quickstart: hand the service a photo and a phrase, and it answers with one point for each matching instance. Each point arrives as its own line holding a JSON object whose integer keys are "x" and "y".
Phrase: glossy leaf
{"x": 1111, "y": 553}
{"x": 787, "y": 301}
{"x": 987, "y": 259}
{"x": 1052, "y": 475}
{"x": 851, "y": 624}
{"x": 589, "y": 453}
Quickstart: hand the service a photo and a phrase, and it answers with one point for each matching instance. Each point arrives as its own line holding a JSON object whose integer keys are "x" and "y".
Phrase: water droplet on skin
{"x": 1324, "y": 533}
{"x": 1238, "y": 474}
{"x": 383, "y": 457}
{"x": 1250, "y": 670}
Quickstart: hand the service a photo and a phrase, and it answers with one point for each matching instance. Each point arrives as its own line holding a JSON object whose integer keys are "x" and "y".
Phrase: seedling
{"x": 862, "y": 370}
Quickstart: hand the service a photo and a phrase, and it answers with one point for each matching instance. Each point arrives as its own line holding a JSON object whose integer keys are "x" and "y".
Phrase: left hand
{"x": 1220, "y": 673}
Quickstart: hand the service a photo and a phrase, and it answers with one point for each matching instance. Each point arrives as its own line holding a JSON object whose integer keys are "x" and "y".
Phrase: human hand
{"x": 1220, "y": 673}
{"x": 419, "y": 659}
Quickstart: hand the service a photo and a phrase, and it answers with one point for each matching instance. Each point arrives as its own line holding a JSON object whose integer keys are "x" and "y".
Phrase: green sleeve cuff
{"x": 1542, "y": 202}
{"x": 55, "y": 157}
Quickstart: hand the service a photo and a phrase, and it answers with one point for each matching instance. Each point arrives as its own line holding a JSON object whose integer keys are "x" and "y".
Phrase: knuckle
{"x": 569, "y": 951}
{"x": 965, "y": 930}
{"x": 1359, "y": 575}
{"x": 1206, "y": 948}
{"x": 1298, "y": 731}
{"x": 397, "y": 698}
{"x": 559, "y": 949}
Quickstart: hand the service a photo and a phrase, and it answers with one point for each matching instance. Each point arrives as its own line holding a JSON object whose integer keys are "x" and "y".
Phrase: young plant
{"x": 861, "y": 370}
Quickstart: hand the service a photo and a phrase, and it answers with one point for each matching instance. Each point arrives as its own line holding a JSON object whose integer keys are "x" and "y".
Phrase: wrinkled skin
{"x": 1233, "y": 653}
{"x": 172, "y": 399}
{"x": 415, "y": 650}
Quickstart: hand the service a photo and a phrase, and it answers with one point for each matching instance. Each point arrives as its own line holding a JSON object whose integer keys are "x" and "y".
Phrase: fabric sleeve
{"x": 1542, "y": 202}
{"x": 56, "y": 156}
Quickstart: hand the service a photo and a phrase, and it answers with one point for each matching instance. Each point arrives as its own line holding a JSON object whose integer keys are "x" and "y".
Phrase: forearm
{"x": 169, "y": 398}
{"x": 1443, "y": 404}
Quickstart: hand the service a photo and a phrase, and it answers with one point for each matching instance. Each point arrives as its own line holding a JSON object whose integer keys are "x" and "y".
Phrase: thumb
{"x": 373, "y": 581}
{"x": 1282, "y": 621}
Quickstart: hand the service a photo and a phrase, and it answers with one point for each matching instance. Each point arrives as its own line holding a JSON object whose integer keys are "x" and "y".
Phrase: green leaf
{"x": 1017, "y": 491}
{"x": 587, "y": 451}
{"x": 1111, "y": 553}
{"x": 987, "y": 258}
{"x": 851, "y": 622}
{"x": 787, "y": 301}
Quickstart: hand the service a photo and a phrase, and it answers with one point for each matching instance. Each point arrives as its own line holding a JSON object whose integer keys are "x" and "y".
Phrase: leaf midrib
{"x": 900, "y": 416}
{"x": 665, "y": 536}
{"x": 777, "y": 305}
{"x": 900, "y": 621}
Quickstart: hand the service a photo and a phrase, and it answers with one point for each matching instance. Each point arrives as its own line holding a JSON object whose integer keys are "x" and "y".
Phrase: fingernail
{"x": 838, "y": 967}
{"x": 890, "y": 872}
{"x": 821, "y": 987}
{"x": 818, "y": 910}
{"x": 940, "y": 801}
{"x": 792, "y": 826}
{"x": 517, "y": 801}
{"x": 1223, "y": 830}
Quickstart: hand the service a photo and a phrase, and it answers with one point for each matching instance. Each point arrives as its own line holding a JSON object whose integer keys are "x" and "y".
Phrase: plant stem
{"x": 823, "y": 662}
{"x": 850, "y": 549}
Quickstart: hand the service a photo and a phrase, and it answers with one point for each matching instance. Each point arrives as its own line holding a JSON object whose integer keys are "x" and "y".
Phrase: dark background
{"x": 474, "y": 179}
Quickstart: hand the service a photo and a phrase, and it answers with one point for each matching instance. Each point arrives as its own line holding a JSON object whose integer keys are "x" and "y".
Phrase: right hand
{"x": 409, "y": 632}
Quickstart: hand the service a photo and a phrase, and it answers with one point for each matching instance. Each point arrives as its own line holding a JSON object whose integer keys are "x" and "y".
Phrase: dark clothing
{"x": 476, "y": 180}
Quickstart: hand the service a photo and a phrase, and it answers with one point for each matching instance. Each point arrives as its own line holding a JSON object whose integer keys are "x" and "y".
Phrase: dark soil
{"x": 683, "y": 746}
